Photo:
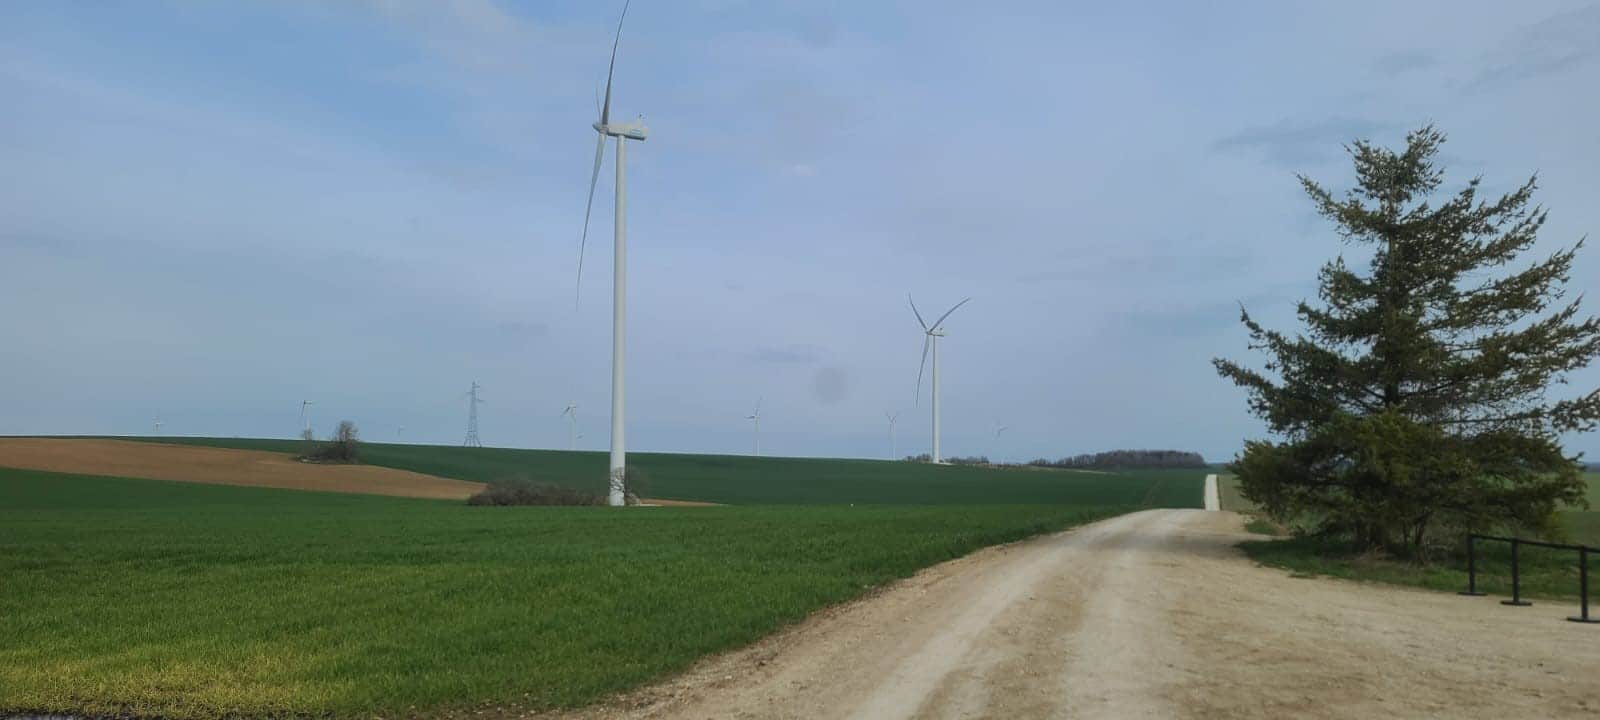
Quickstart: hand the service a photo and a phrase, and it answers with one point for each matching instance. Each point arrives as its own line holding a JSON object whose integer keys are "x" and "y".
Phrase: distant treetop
{"x": 1127, "y": 459}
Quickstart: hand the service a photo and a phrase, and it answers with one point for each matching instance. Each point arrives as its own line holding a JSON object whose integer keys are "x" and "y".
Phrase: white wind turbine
{"x": 894, "y": 445}
{"x": 630, "y": 131}
{"x": 305, "y": 419}
{"x": 158, "y": 425}
{"x": 755, "y": 417}
{"x": 571, "y": 413}
{"x": 931, "y": 335}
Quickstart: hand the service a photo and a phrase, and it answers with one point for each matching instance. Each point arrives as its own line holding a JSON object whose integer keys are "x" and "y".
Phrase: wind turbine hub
{"x": 633, "y": 131}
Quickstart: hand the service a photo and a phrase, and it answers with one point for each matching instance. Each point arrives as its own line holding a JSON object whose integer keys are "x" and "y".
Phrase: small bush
{"x": 526, "y": 492}
{"x": 974, "y": 460}
{"x": 343, "y": 447}
{"x": 954, "y": 460}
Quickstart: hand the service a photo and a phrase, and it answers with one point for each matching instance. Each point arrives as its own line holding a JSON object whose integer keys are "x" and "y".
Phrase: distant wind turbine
{"x": 572, "y": 425}
{"x": 894, "y": 445}
{"x": 630, "y": 131}
{"x": 931, "y": 335}
{"x": 158, "y": 425}
{"x": 755, "y": 417}
{"x": 305, "y": 418}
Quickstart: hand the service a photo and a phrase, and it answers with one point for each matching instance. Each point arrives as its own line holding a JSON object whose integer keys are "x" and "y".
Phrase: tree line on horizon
{"x": 1127, "y": 460}
{"x": 1110, "y": 460}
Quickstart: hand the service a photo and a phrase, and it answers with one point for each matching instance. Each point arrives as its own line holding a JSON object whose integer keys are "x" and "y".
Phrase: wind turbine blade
{"x": 758, "y": 406}
{"x": 925, "y": 340}
{"x": 605, "y": 110}
{"x": 588, "y": 209}
{"x": 918, "y": 314}
{"x": 940, "y": 321}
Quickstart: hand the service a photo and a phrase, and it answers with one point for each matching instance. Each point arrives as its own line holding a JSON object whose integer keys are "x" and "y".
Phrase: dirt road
{"x": 1149, "y": 615}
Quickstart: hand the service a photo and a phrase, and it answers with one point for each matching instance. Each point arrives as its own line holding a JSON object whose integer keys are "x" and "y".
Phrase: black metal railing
{"x": 1516, "y": 571}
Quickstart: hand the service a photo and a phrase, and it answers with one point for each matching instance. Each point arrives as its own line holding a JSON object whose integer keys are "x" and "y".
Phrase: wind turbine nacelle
{"x": 632, "y": 131}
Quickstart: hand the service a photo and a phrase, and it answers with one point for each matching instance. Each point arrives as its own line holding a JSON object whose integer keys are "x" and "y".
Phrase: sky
{"x": 210, "y": 212}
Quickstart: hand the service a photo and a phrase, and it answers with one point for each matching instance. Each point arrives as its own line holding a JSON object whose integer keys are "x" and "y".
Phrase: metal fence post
{"x": 1472, "y": 567}
{"x": 1516, "y": 577}
{"x": 1583, "y": 587}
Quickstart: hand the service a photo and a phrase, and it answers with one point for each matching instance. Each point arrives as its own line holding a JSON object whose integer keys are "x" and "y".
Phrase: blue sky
{"x": 210, "y": 211}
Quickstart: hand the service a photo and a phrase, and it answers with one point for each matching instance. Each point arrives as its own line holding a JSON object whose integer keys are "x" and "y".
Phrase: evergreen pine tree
{"x": 1423, "y": 394}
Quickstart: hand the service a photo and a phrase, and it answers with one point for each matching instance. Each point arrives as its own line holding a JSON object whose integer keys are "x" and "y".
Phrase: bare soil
{"x": 221, "y": 466}
{"x": 1150, "y": 615}
{"x": 224, "y": 466}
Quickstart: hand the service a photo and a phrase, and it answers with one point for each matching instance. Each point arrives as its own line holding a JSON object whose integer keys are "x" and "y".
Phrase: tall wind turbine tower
{"x": 571, "y": 413}
{"x": 472, "y": 417}
{"x": 305, "y": 419}
{"x": 894, "y": 445}
{"x": 755, "y": 417}
{"x": 622, "y": 132}
{"x": 930, "y": 340}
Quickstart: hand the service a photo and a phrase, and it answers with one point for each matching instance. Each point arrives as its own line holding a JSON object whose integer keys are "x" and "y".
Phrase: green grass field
{"x": 144, "y": 597}
{"x": 1583, "y": 526}
{"x": 745, "y": 480}
{"x": 1551, "y": 574}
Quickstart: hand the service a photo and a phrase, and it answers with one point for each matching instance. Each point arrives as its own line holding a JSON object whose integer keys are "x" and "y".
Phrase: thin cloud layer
{"x": 213, "y": 211}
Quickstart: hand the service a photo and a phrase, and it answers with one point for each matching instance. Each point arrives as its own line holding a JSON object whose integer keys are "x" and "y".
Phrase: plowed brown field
{"x": 187, "y": 463}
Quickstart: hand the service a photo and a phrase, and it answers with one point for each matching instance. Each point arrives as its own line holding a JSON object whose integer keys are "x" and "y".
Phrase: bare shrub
{"x": 522, "y": 491}
{"x": 635, "y": 485}
{"x": 974, "y": 460}
{"x": 343, "y": 447}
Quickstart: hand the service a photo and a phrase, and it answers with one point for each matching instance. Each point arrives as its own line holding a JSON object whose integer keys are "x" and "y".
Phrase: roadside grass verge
{"x": 1229, "y": 498}
{"x": 1262, "y": 526}
{"x": 181, "y": 600}
{"x": 1546, "y": 573}
{"x": 746, "y": 480}
{"x": 1549, "y": 574}
{"x": 1228, "y": 495}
